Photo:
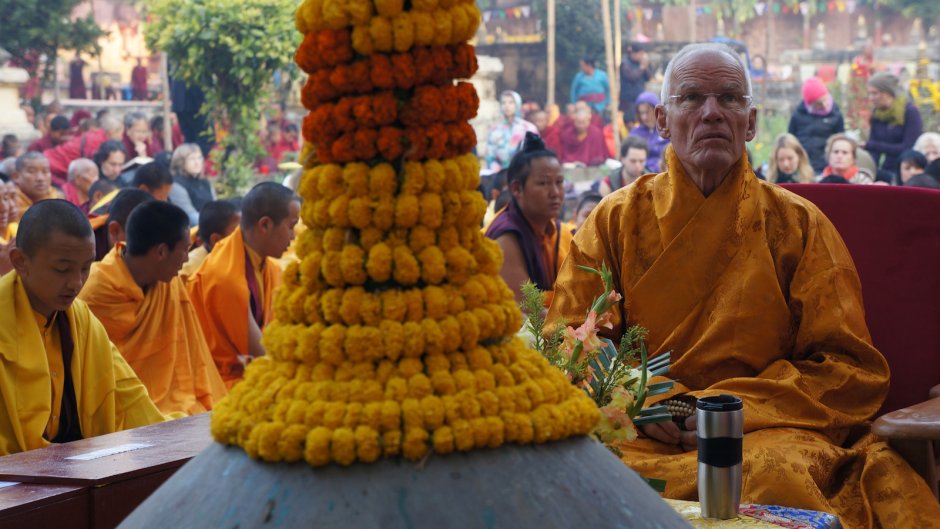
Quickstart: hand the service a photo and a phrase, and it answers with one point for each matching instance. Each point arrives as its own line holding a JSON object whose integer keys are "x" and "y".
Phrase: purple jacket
{"x": 892, "y": 140}
{"x": 657, "y": 144}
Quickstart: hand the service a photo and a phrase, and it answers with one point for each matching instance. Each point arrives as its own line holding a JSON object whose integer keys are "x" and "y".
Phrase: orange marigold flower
{"x": 390, "y": 143}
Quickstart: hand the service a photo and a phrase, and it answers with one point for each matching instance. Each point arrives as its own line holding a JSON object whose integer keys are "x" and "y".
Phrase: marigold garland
{"x": 393, "y": 333}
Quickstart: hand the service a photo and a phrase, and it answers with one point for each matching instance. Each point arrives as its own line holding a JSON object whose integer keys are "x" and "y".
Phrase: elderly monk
{"x": 61, "y": 379}
{"x": 83, "y": 173}
{"x": 217, "y": 220}
{"x": 233, "y": 289}
{"x": 33, "y": 181}
{"x": 136, "y": 293}
{"x": 755, "y": 294}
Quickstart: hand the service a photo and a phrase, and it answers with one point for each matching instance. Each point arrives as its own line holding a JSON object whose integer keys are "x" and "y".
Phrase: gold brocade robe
{"x": 159, "y": 335}
{"x": 755, "y": 294}
{"x": 108, "y": 394}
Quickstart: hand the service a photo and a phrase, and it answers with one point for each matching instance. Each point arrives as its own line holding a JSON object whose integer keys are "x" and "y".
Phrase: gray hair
{"x": 133, "y": 117}
{"x": 703, "y": 46}
{"x": 925, "y": 140}
{"x": 29, "y": 156}
{"x": 8, "y": 167}
{"x": 178, "y": 161}
{"x": 110, "y": 124}
{"x": 78, "y": 165}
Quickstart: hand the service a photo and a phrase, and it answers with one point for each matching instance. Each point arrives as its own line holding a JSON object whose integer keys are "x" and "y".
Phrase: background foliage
{"x": 230, "y": 49}
{"x": 33, "y": 28}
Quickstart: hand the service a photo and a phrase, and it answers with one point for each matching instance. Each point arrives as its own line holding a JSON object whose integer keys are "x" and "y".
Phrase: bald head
{"x": 693, "y": 51}
{"x": 47, "y": 218}
{"x": 266, "y": 199}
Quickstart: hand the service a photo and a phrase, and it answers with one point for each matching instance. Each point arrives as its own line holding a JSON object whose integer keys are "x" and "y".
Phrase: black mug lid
{"x": 720, "y": 403}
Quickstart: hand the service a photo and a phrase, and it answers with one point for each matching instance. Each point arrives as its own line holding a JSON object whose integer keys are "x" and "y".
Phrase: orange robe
{"x": 159, "y": 335}
{"x": 219, "y": 291}
{"x": 755, "y": 294}
{"x": 23, "y": 202}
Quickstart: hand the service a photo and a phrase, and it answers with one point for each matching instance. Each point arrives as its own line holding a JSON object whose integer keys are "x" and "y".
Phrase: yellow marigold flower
{"x": 321, "y": 372}
{"x": 339, "y": 211}
{"x": 481, "y": 432}
{"x": 360, "y": 213}
{"x": 396, "y": 389}
{"x": 523, "y": 404}
{"x": 372, "y": 415}
{"x": 457, "y": 303}
{"x": 300, "y": 21}
{"x": 485, "y": 380}
{"x": 543, "y": 424}
{"x": 469, "y": 405}
{"x": 416, "y": 444}
{"x": 460, "y": 24}
{"x": 527, "y": 429}
{"x": 413, "y": 179}
{"x": 485, "y": 321}
{"x": 534, "y": 392}
{"x": 389, "y": 8}
{"x": 362, "y": 40}
{"x": 443, "y": 28}
{"x": 434, "y": 363}
{"x": 412, "y": 414}
{"x": 296, "y": 413}
{"x": 406, "y": 270}
{"x": 338, "y": 391}
{"x": 391, "y": 416}
{"x": 450, "y": 328}
{"x": 359, "y": 11}
{"x": 352, "y": 263}
{"x": 451, "y": 207}
{"x": 424, "y": 5}
{"x": 331, "y": 268}
{"x": 458, "y": 361}
{"x": 469, "y": 330}
{"x": 472, "y": 209}
{"x": 380, "y": 29}
{"x": 356, "y": 178}
{"x": 331, "y": 344}
{"x": 334, "y": 414}
{"x": 308, "y": 344}
{"x": 343, "y": 446}
{"x": 424, "y": 28}
{"x": 358, "y": 343}
{"x": 434, "y": 177}
{"x": 394, "y": 305}
{"x": 453, "y": 179}
{"x": 435, "y": 302}
{"x": 353, "y": 413}
{"x": 549, "y": 392}
{"x": 383, "y": 181}
{"x": 461, "y": 265}
{"x": 433, "y": 266}
{"x": 310, "y": 269}
{"x": 407, "y": 210}
{"x": 502, "y": 375}
{"x": 463, "y": 435}
{"x": 489, "y": 402}
{"x": 470, "y": 168}
{"x": 393, "y": 339}
{"x": 291, "y": 444}
{"x": 372, "y": 391}
{"x": 404, "y": 31}
{"x": 451, "y": 409}
{"x": 317, "y": 446}
{"x": 349, "y": 308}
{"x": 370, "y": 310}
{"x": 379, "y": 264}
{"x": 443, "y": 440}
{"x": 331, "y": 302}
{"x": 308, "y": 186}
{"x": 419, "y": 386}
{"x": 474, "y": 292}
{"x": 420, "y": 237}
{"x": 443, "y": 383}
{"x": 391, "y": 443}
{"x": 329, "y": 181}
{"x": 414, "y": 340}
{"x": 433, "y": 337}
{"x": 409, "y": 367}
{"x": 367, "y": 444}
{"x": 500, "y": 319}
{"x": 431, "y": 210}
{"x": 414, "y": 302}
{"x": 321, "y": 213}
{"x": 505, "y": 397}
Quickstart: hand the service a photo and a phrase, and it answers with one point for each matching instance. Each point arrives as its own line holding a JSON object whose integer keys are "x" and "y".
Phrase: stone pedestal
{"x": 572, "y": 483}
{"x": 491, "y": 68}
{"x": 12, "y": 118}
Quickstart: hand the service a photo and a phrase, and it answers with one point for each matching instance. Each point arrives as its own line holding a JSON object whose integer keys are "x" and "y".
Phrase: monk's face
{"x": 171, "y": 260}
{"x": 35, "y": 179}
{"x": 8, "y": 197}
{"x": 708, "y": 120}
{"x": 54, "y": 275}
{"x": 543, "y": 194}
{"x": 277, "y": 237}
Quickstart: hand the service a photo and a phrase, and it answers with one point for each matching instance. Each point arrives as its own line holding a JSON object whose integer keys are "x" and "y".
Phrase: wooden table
{"x": 44, "y": 506}
{"x": 117, "y": 471}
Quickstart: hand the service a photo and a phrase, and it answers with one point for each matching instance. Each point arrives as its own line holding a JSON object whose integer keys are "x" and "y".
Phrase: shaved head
{"x": 266, "y": 199}
{"x": 125, "y": 202}
{"x": 47, "y": 217}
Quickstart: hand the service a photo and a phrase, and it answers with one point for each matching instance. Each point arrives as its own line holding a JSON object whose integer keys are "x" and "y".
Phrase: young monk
{"x": 154, "y": 179}
{"x": 109, "y": 229}
{"x": 217, "y": 220}
{"x": 233, "y": 289}
{"x": 140, "y": 300}
{"x": 61, "y": 379}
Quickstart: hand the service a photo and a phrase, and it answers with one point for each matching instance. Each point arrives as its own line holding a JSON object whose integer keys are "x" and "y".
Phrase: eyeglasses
{"x": 695, "y": 101}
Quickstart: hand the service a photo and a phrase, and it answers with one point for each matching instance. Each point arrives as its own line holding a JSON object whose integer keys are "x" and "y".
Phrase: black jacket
{"x": 813, "y": 131}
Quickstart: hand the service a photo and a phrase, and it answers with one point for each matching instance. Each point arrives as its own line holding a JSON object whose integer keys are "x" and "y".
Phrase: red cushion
{"x": 893, "y": 234}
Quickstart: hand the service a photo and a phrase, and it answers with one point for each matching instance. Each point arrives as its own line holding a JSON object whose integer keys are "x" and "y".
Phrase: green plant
{"x": 769, "y": 126}
{"x": 230, "y": 49}
{"x": 34, "y": 29}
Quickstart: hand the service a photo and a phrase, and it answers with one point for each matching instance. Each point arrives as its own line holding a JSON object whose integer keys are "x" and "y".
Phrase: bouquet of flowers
{"x": 615, "y": 377}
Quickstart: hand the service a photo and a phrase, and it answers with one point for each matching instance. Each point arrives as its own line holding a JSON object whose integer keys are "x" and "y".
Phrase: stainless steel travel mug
{"x": 720, "y": 436}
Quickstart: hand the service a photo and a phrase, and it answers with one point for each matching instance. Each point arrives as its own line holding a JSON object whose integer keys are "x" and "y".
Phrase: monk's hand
{"x": 665, "y": 432}
{"x": 689, "y": 437}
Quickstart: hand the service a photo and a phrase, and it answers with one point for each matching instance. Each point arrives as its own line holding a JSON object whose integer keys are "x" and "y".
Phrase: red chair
{"x": 893, "y": 234}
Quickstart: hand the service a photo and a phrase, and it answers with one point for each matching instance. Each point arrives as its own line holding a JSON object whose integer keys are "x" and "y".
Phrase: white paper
{"x": 5, "y": 484}
{"x": 105, "y": 452}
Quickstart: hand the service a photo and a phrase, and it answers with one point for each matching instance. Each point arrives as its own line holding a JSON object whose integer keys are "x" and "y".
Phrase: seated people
{"x": 216, "y": 221}
{"x": 587, "y": 201}
{"x": 136, "y": 294}
{"x": 58, "y": 133}
{"x": 646, "y": 128}
{"x": 233, "y": 289}
{"x": 814, "y": 120}
{"x": 789, "y": 163}
{"x": 154, "y": 179}
{"x": 755, "y": 294}
{"x": 99, "y": 194}
{"x": 504, "y": 136}
{"x": 61, "y": 379}
{"x": 33, "y": 181}
{"x": 841, "y": 152}
{"x": 192, "y": 189}
{"x": 83, "y": 173}
{"x": 582, "y": 141}
{"x": 83, "y": 145}
{"x": 8, "y": 211}
{"x": 110, "y": 158}
{"x": 533, "y": 239}
{"x": 633, "y": 153}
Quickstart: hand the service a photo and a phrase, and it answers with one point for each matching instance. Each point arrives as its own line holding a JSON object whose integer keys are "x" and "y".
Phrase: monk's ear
{"x": 751, "y": 124}
{"x": 214, "y": 239}
{"x": 265, "y": 223}
{"x": 661, "y": 125}
{"x": 20, "y": 261}
{"x": 115, "y": 233}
